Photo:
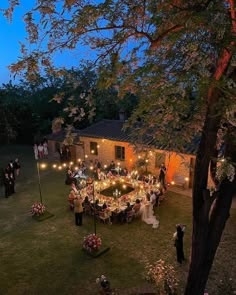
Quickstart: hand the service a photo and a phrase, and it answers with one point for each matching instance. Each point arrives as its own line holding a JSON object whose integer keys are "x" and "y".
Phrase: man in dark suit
{"x": 7, "y": 185}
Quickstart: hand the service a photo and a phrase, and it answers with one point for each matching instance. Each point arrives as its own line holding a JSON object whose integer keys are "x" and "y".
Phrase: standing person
{"x": 7, "y": 185}
{"x": 78, "y": 209}
{"x": 11, "y": 168}
{"x": 179, "y": 235}
{"x": 12, "y": 183}
{"x": 36, "y": 152}
{"x": 16, "y": 165}
{"x": 45, "y": 149}
{"x": 162, "y": 175}
{"x": 40, "y": 150}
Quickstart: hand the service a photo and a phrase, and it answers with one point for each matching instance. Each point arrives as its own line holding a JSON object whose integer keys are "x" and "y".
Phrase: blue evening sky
{"x": 12, "y": 33}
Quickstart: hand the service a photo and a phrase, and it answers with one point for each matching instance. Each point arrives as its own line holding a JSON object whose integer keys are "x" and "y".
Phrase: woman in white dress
{"x": 147, "y": 215}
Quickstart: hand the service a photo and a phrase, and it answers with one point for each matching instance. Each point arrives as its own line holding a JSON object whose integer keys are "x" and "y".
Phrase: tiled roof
{"x": 113, "y": 130}
{"x": 107, "y": 129}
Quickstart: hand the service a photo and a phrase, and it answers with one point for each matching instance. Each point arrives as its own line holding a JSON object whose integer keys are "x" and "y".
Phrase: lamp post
{"x": 90, "y": 182}
{"x": 40, "y": 191}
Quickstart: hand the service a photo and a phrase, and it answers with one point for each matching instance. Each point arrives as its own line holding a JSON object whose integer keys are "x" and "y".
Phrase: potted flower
{"x": 92, "y": 243}
{"x": 37, "y": 209}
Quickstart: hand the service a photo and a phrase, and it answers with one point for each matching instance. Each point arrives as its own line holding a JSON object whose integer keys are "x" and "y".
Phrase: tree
{"x": 174, "y": 46}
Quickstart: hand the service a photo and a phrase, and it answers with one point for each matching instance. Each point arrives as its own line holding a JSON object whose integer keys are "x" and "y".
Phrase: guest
{"x": 16, "y": 166}
{"x": 137, "y": 206}
{"x": 104, "y": 206}
{"x": 71, "y": 197}
{"x": 40, "y": 151}
{"x": 96, "y": 205}
{"x": 78, "y": 209}
{"x": 112, "y": 166}
{"x": 7, "y": 185}
{"x": 68, "y": 154}
{"x": 12, "y": 183}
{"x": 45, "y": 149}
{"x": 86, "y": 201}
{"x": 152, "y": 198}
{"x": 162, "y": 175}
{"x": 11, "y": 168}
{"x": 36, "y": 152}
{"x": 179, "y": 235}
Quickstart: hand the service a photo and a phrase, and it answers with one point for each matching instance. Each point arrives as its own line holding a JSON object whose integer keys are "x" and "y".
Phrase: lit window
{"x": 120, "y": 153}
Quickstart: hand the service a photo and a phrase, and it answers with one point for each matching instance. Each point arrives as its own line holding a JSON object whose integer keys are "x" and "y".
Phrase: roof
{"x": 106, "y": 129}
{"x": 113, "y": 130}
{"x": 61, "y": 135}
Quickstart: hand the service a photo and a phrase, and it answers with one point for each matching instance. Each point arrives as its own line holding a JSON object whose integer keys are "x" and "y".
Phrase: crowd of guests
{"x": 41, "y": 150}
{"x": 11, "y": 171}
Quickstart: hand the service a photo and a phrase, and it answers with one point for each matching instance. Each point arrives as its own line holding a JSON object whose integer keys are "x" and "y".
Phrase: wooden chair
{"x": 129, "y": 216}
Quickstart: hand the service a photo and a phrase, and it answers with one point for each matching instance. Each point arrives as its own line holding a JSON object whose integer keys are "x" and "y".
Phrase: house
{"x": 107, "y": 141}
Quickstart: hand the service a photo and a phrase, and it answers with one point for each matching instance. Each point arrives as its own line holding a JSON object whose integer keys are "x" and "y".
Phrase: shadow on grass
{"x": 43, "y": 217}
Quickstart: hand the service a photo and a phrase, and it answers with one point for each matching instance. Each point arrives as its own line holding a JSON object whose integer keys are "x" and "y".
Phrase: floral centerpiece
{"x": 92, "y": 243}
{"x": 164, "y": 276}
{"x": 37, "y": 209}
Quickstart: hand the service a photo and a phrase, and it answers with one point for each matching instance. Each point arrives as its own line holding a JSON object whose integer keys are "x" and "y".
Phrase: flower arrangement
{"x": 92, "y": 243}
{"x": 37, "y": 209}
{"x": 164, "y": 276}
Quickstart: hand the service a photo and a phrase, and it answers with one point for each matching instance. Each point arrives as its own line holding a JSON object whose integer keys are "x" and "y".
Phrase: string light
{"x": 172, "y": 182}
{"x": 43, "y": 166}
{"x": 186, "y": 179}
{"x": 54, "y": 166}
{"x": 86, "y": 156}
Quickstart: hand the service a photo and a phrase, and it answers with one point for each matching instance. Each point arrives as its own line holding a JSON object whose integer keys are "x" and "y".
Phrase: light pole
{"x": 91, "y": 183}
{"x": 40, "y": 191}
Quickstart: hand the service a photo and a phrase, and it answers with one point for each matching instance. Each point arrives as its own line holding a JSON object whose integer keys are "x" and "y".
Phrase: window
{"x": 119, "y": 152}
{"x": 159, "y": 159}
{"x": 94, "y": 148}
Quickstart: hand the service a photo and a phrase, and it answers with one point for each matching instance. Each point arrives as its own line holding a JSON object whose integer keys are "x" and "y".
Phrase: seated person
{"x": 70, "y": 177}
{"x": 104, "y": 206}
{"x": 137, "y": 206}
{"x": 86, "y": 201}
{"x": 96, "y": 205}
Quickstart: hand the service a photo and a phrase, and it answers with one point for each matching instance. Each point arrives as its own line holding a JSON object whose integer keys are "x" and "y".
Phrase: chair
{"x": 104, "y": 216}
{"x": 87, "y": 209}
{"x": 129, "y": 216}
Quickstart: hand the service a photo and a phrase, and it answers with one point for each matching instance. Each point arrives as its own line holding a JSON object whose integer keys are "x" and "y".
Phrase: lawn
{"x": 47, "y": 258}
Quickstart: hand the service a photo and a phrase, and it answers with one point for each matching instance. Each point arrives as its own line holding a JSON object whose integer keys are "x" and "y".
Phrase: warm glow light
{"x": 222, "y": 160}
{"x": 131, "y": 160}
{"x": 59, "y": 167}
{"x": 122, "y": 180}
{"x": 139, "y": 157}
{"x": 91, "y": 167}
{"x": 105, "y": 166}
{"x": 92, "y": 151}
{"x": 113, "y": 182}
{"x": 71, "y": 163}
{"x": 158, "y": 185}
{"x": 76, "y": 168}
{"x": 146, "y": 161}
{"x": 103, "y": 140}
{"x": 104, "y": 183}
{"x": 172, "y": 182}
{"x": 43, "y": 166}
{"x": 118, "y": 163}
{"x": 98, "y": 146}
{"x": 54, "y": 166}
{"x": 79, "y": 160}
{"x": 141, "y": 186}
{"x": 186, "y": 179}
{"x": 86, "y": 156}
{"x": 124, "y": 186}
{"x": 64, "y": 164}
{"x": 95, "y": 183}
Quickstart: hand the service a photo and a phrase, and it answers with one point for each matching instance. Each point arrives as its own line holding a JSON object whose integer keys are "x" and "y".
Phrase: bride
{"x": 147, "y": 215}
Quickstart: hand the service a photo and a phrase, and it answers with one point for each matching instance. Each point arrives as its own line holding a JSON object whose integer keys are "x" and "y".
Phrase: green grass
{"x": 46, "y": 257}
